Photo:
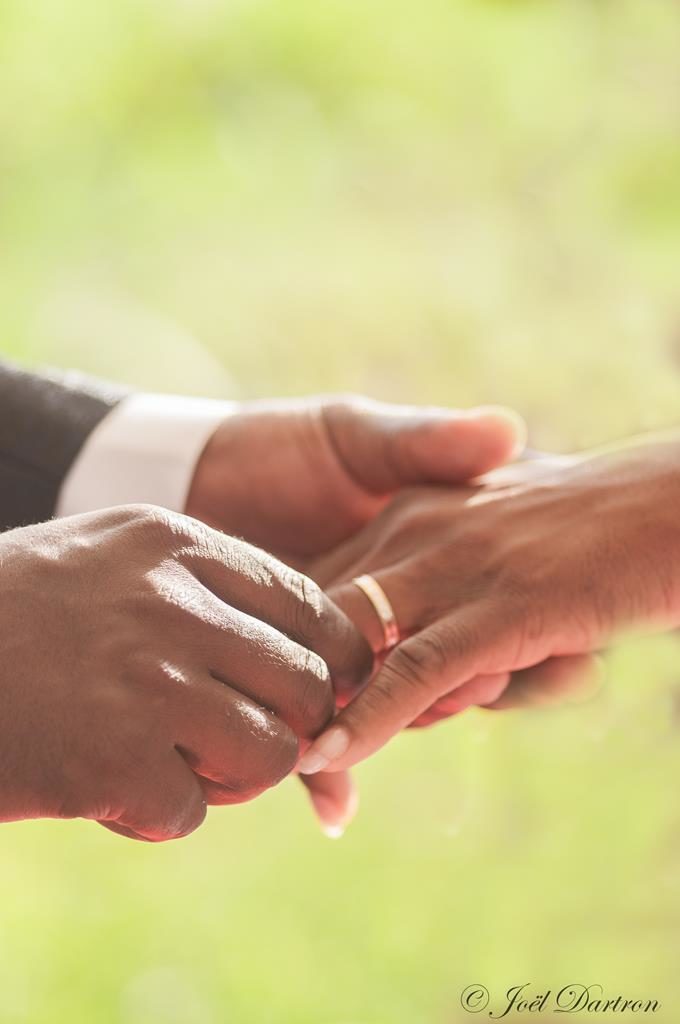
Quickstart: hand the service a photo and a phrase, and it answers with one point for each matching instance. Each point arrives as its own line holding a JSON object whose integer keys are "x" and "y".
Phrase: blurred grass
{"x": 442, "y": 202}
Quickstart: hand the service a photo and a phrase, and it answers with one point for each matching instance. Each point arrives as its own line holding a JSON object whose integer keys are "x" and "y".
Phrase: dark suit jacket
{"x": 44, "y": 422}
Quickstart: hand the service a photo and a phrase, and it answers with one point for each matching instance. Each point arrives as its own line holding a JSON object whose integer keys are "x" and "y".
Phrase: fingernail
{"x": 522, "y": 437}
{"x": 330, "y": 821}
{"x": 333, "y": 831}
{"x": 327, "y": 748}
{"x": 519, "y": 426}
{"x": 333, "y": 820}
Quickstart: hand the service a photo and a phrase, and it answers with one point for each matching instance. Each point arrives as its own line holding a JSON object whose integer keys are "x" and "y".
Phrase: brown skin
{"x": 531, "y": 565}
{"x": 299, "y": 477}
{"x": 554, "y": 681}
{"x": 151, "y": 666}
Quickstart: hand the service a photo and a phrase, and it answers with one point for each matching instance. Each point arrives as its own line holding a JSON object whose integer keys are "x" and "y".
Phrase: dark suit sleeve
{"x": 45, "y": 418}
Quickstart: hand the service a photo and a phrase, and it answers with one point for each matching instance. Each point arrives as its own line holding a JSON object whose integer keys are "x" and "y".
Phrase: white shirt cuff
{"x": 145, "y": 450}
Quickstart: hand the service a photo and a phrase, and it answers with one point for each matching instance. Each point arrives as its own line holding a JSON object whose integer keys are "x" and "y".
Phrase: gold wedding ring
{"x": 382, "y": 607}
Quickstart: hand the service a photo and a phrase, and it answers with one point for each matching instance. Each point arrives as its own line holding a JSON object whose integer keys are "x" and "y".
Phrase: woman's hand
{"x": 551, "y": 682}
{"x": 537, "y": 562}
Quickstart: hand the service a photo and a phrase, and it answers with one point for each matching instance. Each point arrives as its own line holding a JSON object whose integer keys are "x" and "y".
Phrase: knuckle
{"x": 484, "y": 580}
{"x": 353, "y": 400}
{"x": 360, "y": 662}
{"x": 424, "y": 657}
{"x": 309, "y": 607}
{"x": 72, "y": 804}
{"x": 515, "y": 585}
{"x": 165, "y": 813}
{"x": 380, "y": 699}
{"x": 159, "y": 606}
{"x": 315, "y": 701}
{"x": 207, "y": 546}
{"x": 343, "y": 406}
{"x": 147, "y": 516}
{"x": 189, "y": 816}
{"x": 317, "y": 622}
{"x": 263, "y": 753}
{"x": 275, "y": 759}
{"x": 153, "y": 523}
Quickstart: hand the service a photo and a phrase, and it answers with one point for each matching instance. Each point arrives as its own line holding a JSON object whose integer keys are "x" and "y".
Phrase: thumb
{"x": 384, "y": 447}
{"x": 434, "y": 662}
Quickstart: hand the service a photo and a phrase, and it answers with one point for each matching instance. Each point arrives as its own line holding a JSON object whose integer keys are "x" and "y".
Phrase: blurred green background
{"x": 441, "y": 201}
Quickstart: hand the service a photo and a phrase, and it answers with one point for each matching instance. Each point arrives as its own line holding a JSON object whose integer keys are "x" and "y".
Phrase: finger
{"x": 531, "y": 466}
{"x": 228, "y": 739}
{"x": 364, "y": 552}
{"x": 359, "y": 609}
{"x": 386, "y": 447}
{"x": 411, "y": 612}
{"x": 571, "y": 679}
{"x": 164, "y": 804}
{"x": 418, "y": 672}
{"x": 120, "y": 830}
{"x": 415, "y": 607}
{"x": 335, "y": 800}
{"x": 333, "y": 569}
{"x": 217, "y": 795}
{"x": 481, "y": 691}
{"x": 274, "y": 671}
{"x": 263, "y": 587}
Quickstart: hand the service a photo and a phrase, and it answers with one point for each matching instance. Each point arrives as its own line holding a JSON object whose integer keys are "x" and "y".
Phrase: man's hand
{"x": 536, "y": 563}
{"x": 300, "y": 477}
{"x": 150, "y": 666}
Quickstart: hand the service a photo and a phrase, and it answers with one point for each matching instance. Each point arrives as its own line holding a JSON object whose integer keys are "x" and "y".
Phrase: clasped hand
{"x": 154, "y": 663}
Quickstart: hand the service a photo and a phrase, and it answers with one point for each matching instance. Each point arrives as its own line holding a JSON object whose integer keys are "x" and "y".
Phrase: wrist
{"x": 144, "y": 451}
